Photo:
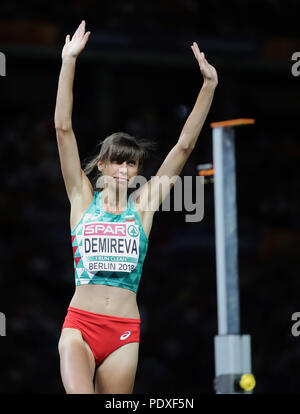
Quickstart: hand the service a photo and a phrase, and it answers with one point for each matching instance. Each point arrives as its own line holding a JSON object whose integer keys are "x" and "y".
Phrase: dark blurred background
{"x": 138, "y": 74}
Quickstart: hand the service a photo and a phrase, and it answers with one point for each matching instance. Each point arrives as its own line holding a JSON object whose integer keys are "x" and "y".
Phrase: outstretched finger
{"x": 82, "y": 28}
{"x": 78, "y": 31}
{"x": 198, "y": 55}
{"x": 193, "y": 49}
{"x": 196, "y": 49}
{"x": 85, "y": 38}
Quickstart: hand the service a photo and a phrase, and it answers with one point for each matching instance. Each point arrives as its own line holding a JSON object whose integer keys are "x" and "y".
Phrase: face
{"x": 122, "y": 173}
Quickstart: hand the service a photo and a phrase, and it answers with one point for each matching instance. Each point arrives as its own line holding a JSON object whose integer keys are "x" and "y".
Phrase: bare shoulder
{"x": 81, "y": 200}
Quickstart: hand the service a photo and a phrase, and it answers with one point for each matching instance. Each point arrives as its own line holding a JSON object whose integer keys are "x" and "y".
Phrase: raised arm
{"x": 193, "y": 125}
{"x": 158, "y": 187}
{"x": 73, "y": 175}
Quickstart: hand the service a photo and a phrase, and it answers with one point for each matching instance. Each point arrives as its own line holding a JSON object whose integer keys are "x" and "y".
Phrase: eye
{"x": 116, "y": 162}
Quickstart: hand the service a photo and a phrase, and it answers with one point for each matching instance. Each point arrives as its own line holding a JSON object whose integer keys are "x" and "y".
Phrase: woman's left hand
{"x": 209, "y": 73}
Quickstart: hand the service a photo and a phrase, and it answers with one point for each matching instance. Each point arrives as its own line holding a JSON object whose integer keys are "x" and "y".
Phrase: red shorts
{"x": 103, "y": 333}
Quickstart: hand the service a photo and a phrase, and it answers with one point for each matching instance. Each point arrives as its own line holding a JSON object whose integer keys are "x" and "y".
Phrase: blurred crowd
{"x": 233, "y": 17}
{"x": 177, "y": 294}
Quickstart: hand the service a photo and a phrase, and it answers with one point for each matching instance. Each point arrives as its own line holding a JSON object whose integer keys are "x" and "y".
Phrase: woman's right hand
{"x": 74, "y": 46}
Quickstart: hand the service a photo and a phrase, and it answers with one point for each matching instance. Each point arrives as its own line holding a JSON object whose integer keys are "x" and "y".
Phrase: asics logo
{"x": 125, "y": 335}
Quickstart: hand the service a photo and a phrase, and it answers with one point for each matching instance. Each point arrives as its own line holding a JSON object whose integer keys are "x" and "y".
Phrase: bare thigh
{"x": 77, "y": 362}
{"x": 116, "y": 374}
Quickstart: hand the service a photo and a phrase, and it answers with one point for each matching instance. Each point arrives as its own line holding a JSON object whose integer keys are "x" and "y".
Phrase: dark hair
{"x": 119, "y": 147}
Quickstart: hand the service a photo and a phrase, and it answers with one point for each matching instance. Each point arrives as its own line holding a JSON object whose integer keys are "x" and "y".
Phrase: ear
{"x": 100, "y": 165}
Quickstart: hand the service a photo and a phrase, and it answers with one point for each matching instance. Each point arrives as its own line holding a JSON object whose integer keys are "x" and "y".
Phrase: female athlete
{"x": 100, "y": 336}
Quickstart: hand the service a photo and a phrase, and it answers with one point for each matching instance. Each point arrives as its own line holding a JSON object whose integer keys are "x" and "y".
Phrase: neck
{"x": 114, "y": 200}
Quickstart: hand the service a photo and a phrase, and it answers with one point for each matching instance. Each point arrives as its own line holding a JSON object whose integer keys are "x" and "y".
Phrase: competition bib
{"x": 112, "y": 247}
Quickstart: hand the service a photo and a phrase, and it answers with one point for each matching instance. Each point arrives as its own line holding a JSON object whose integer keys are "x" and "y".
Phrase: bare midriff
{"x": 106, "y": 300}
